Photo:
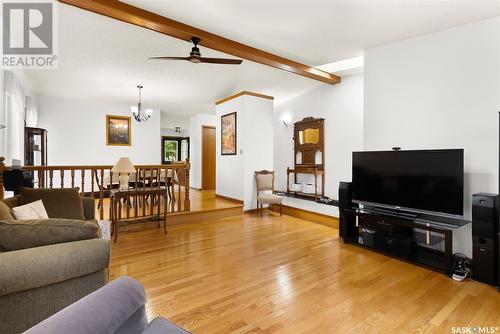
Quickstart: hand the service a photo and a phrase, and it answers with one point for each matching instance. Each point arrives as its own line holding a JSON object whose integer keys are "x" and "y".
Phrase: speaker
{"x": 345, "y": 195}
{"x": 498, "y": 261}
{"x": 484, "y": 237}
{"x": 347, "y": 222}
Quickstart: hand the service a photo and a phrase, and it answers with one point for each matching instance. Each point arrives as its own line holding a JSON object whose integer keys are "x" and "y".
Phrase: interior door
{"x": 208, "y": 158}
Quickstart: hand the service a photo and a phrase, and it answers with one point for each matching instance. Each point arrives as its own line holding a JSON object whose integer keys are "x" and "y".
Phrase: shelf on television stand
{"x": 400, "y": 236}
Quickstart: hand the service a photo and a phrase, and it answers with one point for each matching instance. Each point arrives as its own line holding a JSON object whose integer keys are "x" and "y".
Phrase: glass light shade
{"x": 134, "y": 110}
{"x": 149, "y": 112}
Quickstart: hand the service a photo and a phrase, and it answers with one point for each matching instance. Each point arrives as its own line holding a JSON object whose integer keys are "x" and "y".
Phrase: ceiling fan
{"x": 196, "y": 58}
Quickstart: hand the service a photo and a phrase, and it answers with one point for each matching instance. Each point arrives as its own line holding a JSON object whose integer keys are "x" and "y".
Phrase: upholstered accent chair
{"x": 48, "y": 264}
{"x": 264, "y": 180}
{"x": 117, "y": 307}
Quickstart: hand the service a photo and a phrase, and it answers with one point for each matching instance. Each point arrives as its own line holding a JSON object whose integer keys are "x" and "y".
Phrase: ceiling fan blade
{"x": 170, "y": 58}
{"x": 221, "y": 61}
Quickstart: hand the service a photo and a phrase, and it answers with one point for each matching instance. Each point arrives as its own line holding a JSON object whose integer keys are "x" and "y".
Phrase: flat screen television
{"x": 421, "y": 181}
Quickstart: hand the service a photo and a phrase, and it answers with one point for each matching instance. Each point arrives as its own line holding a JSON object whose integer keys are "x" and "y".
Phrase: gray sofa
{"x": 46, "y": 265}
{"x": 116, "y": 308}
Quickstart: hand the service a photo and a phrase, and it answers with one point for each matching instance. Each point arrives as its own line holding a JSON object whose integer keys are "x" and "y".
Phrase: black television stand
{"x": 424, "y": 241}
{"x": 393, "y": 213}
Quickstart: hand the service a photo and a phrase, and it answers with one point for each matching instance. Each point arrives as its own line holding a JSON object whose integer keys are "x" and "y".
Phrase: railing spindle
{"x": 152, "y": 198}
{"x": 72, "y": 178}
{"x": 62, "y": 178}
{"x": 187, "y": 202}
{"x": 179, "y": 189}
{"x": 136, "y": 178}
{"x": 151, "y": 178}
{"x": 38, "y": 174}
{"x": 143, "y": 196}
{"x": 142, "y": 177}
{"x": 83, "y": 183}
{"x": 110, "y": 180}
{"x": 92, "y": 172}
{"x": 110, "y": 187}
{"x": 158, "y": 177}
{"x": 101, "y": 196}
{"x": 51, "y": 177}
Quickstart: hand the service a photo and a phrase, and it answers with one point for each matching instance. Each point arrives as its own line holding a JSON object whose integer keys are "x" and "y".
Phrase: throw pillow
{"x": 5, "y": 212}
{"x": 59, "y": 203}
{"x": 15, "y": 234}
{"x": 34, "y": 210}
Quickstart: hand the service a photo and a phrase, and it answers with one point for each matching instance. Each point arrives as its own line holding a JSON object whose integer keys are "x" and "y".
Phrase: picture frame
{"x": 118, "y": 130}
{"x": 229, "y": 134}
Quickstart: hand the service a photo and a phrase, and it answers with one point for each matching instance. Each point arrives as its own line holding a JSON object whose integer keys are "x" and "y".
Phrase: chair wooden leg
{"x": 261, "y": 209}
{"x": 281, "y": 209}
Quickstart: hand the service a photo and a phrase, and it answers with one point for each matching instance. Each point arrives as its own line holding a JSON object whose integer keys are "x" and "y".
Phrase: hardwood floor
{"x": 201, "y": 200}
{"x": 286, "y": 275}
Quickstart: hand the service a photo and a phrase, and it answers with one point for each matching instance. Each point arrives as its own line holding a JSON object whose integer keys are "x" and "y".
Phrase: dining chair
{"x": 264, "y": 180}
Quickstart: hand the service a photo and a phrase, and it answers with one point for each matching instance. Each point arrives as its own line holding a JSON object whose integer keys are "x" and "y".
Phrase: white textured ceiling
{"x": 104, "y": 59}
{"x": 320, "y": 32}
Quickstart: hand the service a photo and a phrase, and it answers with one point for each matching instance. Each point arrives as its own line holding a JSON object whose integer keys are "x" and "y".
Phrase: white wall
{"x": 169, "y": 121}
{"x": 3, "y": 117}
{"x": 195, "y": 124}
{"x": 230, "y": 170}
{"x": 16, "y": 107}
{"x": 77, "y": 133}
{"x": 236, "y": 173}
{"x": 258, "y": 134}
{"x": 440, "y": 90}
{"x": 341, "y": 106}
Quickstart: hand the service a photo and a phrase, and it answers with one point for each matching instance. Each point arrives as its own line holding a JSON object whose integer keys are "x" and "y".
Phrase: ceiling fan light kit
{"x": 196, "y": 58}
{"x": 139, "y": 114}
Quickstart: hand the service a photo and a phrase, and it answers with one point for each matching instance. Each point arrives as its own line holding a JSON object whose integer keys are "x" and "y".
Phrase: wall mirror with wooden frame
{"x": 309, "y": 142}
{"x": 309, "y": 136}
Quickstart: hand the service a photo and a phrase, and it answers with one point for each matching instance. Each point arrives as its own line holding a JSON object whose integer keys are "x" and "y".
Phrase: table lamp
{"x": 124, "y": 166}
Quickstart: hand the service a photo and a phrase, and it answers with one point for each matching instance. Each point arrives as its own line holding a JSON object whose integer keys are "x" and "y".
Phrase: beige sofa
{"x": 46, "y": 265}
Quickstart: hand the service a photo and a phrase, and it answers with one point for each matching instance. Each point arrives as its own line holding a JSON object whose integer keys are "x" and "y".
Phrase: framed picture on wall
{"x": 228, "y": 134}
{"x": 118, "y": 131}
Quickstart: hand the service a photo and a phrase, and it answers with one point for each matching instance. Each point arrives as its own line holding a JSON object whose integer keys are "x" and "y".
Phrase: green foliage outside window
{"x": 170, "y": 150}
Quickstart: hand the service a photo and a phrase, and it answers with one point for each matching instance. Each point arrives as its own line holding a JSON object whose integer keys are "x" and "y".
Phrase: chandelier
{"x": 140, "y": 115}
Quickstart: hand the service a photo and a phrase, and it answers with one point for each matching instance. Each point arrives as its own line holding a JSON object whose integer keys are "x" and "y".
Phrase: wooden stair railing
{"x": 97, "y": 180}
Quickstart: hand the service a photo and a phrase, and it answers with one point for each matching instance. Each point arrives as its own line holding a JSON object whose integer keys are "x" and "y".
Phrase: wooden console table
{"x": 135, "y": 212}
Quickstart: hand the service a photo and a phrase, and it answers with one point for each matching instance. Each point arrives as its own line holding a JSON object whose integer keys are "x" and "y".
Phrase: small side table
{"x": 133, "y": 213}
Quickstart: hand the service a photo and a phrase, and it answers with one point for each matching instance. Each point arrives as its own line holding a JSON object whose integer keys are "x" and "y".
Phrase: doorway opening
{"x": 174, "y": 149}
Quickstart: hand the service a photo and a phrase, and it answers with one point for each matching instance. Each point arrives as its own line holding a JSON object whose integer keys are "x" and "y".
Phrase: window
{"x": 170, "y": 150}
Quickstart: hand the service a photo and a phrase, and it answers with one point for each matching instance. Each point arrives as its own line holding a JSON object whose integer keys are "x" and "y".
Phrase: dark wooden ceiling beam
{"x": 143, "y": 18}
